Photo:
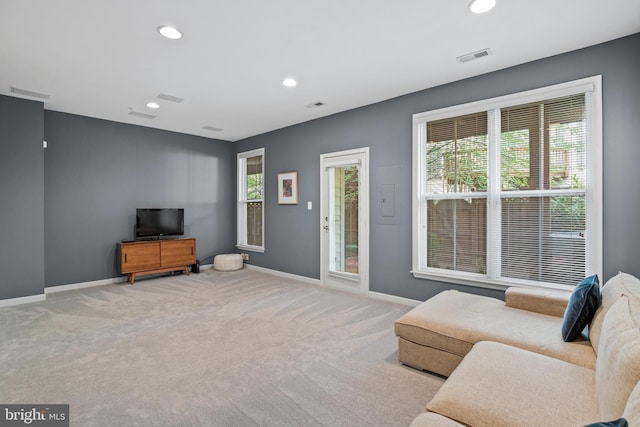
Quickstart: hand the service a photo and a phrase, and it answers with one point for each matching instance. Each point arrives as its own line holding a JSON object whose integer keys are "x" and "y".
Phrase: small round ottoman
{"x": 227, "y": 262}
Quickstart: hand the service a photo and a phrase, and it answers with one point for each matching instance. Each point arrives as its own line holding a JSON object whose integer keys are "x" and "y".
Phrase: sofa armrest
{"x": 542, "y": 301}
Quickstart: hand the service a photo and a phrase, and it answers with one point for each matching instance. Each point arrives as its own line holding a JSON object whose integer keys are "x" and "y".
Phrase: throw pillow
{"x": 620, "y": 422}
{"x": 583, "y": 303}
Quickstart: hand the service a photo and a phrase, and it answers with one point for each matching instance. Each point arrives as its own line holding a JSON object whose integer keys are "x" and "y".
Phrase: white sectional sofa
{"x": 509, "y": 366}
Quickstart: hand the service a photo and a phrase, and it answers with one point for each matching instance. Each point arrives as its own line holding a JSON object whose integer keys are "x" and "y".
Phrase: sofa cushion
{"x": 431, "y": 323}
{"x": 618, "y": 364}
{"x": 632, "y": 409}
{"x": 544, "y": 301}
{"x": 499, "y": 385}
{"x": 427, "y": 358}
{"x": 454, "y": 321}
{"x": 614, "y": 288}
{"x": 431, "y": 419}
{"x": 583, "y": 303}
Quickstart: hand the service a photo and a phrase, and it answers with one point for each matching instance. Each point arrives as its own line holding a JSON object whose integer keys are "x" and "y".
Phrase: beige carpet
{"x": 212, "y": 349}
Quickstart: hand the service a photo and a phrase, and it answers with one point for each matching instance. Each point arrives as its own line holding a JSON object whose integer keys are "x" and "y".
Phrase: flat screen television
{"x": 157, "y": 223}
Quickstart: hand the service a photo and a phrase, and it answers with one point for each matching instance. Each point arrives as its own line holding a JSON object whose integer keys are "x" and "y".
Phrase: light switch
{"x": 309, "y": 206}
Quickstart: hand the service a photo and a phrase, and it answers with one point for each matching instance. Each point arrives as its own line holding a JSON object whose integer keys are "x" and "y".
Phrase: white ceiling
{"x": 100, "y": 59}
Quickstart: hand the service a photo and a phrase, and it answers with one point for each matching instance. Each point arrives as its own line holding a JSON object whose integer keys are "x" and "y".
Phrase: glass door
{"x": 344, "y": 221}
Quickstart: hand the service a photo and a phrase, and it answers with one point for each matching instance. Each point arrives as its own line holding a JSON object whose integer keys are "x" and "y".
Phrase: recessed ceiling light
{"x": 481, "y": 6}
{"x": 153, "y": 105}
{"x": 289, "y": 82}
{"x": 170, "y": 32}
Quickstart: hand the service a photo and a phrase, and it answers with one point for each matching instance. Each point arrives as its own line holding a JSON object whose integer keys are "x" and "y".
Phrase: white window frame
{"x": 243, "y": 201}
{"x": 592, "y": 87}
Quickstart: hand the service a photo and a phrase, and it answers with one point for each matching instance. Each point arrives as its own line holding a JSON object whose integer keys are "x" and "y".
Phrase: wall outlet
{"x": 245, "y": 257}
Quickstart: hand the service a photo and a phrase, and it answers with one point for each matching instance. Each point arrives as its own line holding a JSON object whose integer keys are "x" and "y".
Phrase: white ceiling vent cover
{"x": 474, "y": 55}
{"x": 143, "y": 115}
{"x": 170, "y": 98}
{"x": 29, "y": 93}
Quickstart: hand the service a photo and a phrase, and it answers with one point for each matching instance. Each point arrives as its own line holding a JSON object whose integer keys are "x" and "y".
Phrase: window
{"x": 508, "y": 191}
{"x": 250, "y": 200}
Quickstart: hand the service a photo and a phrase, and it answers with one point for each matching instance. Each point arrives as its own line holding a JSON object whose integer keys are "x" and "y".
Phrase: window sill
{"x": 485, "y": 283}
{"x": 250, "y": 248}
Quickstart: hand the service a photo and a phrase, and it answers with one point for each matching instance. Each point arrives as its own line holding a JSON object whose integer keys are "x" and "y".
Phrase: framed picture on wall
{"x": 288, "y": 188}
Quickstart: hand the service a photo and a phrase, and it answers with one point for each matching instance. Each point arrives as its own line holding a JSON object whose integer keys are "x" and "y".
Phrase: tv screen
{"x": 159, "y": 222}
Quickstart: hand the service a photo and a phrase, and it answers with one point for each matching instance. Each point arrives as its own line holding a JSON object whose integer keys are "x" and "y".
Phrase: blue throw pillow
{"x": 583, "y": 304}
{"x": 620, "y": 422}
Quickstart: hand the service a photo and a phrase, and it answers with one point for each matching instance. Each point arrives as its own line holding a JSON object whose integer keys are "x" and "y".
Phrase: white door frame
{"x": 355, "y": 156}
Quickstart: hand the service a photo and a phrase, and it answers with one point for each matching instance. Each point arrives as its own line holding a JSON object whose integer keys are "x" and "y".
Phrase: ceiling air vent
{"x": 143, "y": 115}
{"x": 29, "y": 93}
{"x": 170, "y": 98}
{"x": 212, "y": 128}
{"x": 474, "y": 55}
{"x": 315, "y": 104}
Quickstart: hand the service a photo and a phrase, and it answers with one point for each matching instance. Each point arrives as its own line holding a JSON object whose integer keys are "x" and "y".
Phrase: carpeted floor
{"x": 212, "y": 349}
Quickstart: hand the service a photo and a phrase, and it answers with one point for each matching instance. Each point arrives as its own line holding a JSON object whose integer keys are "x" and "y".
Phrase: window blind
{"x": 456, "y": 163}
{"x": 543, "y": 190}
{"x": 527, "y": 221}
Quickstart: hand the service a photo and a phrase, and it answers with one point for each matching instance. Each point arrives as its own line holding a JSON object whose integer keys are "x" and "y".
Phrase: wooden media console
{"x": 156, "y": 256}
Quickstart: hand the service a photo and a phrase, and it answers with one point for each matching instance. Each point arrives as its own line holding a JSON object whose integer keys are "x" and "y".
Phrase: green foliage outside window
{"x": 255, "y": 186}
{"x": 568, "y": 213}
{"x": 460, "y": 164}
{"x": 351, "y": 184}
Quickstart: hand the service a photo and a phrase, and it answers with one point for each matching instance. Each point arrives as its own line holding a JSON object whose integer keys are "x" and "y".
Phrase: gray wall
{"x": 64, "y": 209}
{"x": 292, "y": 237}
{"x": 98, "y": 172}
{"x": 21, "y": 198}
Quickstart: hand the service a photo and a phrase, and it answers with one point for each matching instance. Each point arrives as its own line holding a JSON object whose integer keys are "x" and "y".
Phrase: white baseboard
{"x": 393, "y": 298}
{"x": 73, "y": 286}
{"x": 112, "y": 281}
{"x": 317, "y": 282}
{"x": 22, "y": 300}
{"x": 283, "y": 274}
{"x": 309, "y": 280}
